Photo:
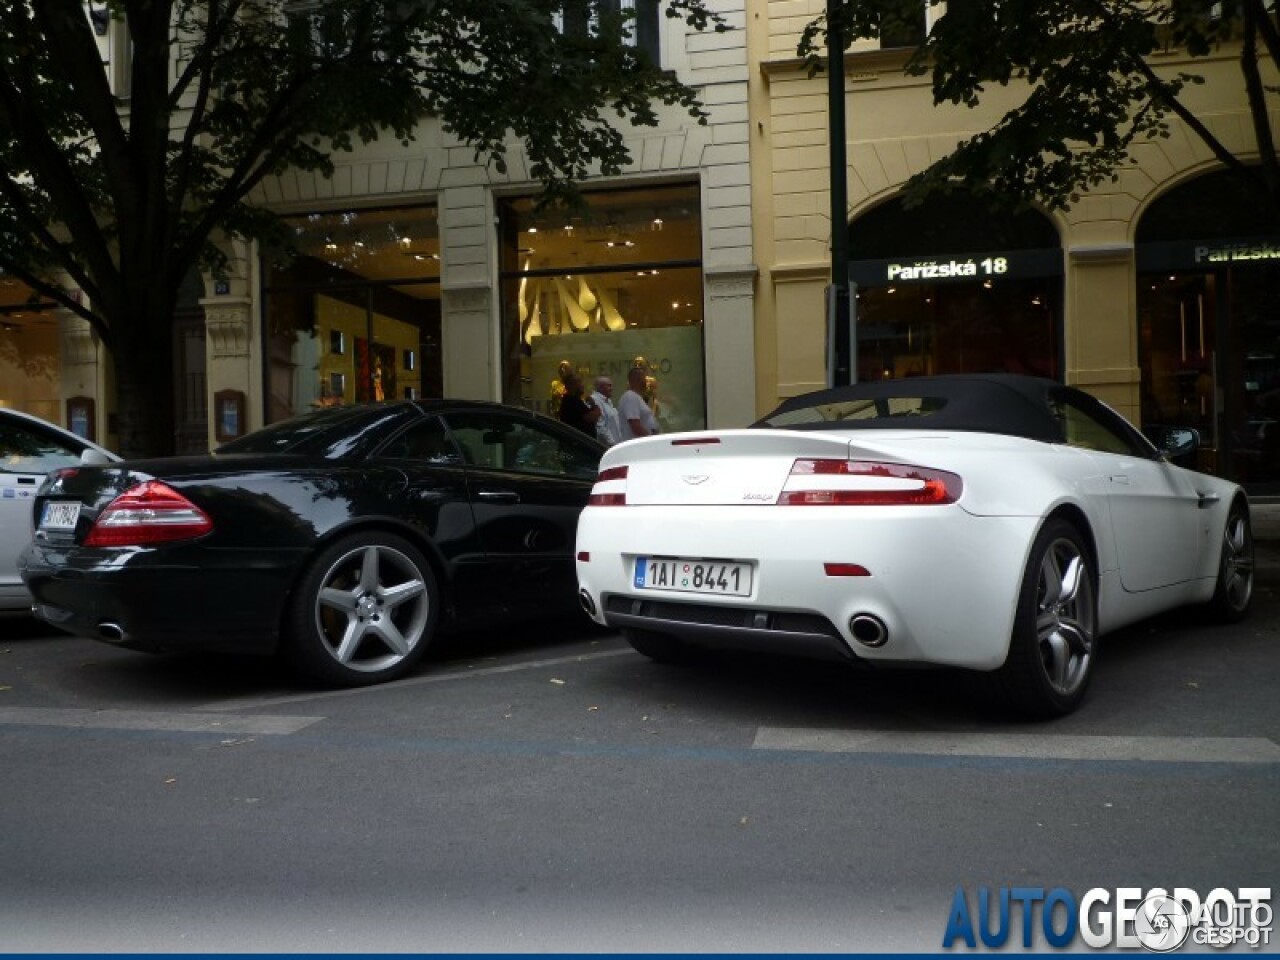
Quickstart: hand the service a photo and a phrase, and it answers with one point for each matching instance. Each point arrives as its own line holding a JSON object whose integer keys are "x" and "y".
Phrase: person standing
{"x": 607, "y": 427}
{"x": 635, "y": 419}
{"x": 575, "y": 411}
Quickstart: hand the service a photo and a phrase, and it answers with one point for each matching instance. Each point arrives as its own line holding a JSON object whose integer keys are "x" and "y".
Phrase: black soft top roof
{"x": 986, "y": 403}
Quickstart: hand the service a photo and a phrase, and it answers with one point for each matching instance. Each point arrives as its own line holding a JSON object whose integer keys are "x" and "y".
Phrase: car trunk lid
{"x": 736, "y": 467}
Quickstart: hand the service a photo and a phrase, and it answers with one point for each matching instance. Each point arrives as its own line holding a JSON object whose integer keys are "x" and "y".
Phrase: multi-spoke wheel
{"x": 1234, "y": 591}
{"x": 365, "y": 610}
{"x": 1054, "y": 641}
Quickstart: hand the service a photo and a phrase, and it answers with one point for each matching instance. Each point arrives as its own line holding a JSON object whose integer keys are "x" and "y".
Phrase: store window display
{"x": 595, "y": 288}
{"x": 353, "y": 310}
{"x": 30, "y": 354}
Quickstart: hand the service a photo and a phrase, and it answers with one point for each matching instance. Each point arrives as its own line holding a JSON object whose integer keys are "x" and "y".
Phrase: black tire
{"x": 659, "y": 647}
{"x": 1054, "y": 641}
{"x": 1233, "y": 595}
{"x": 364, "y": 612}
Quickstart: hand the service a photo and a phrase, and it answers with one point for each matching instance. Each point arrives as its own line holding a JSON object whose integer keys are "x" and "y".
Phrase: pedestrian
{"x": 607, "y": 427}
{"x": 635, "y": 419}
{"x": 575, "y": 410}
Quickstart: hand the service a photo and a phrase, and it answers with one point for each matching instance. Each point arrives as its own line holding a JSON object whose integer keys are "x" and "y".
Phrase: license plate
{"x": 60, "y": 515}
{"x": 727, "y": 577}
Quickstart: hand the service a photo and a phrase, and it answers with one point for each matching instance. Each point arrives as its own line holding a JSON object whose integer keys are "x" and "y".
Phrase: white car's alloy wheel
{"x": 1065, "y": 616}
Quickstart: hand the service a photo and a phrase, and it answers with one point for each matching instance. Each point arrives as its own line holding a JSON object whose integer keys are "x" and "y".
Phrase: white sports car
{"x": 991, "y": 522}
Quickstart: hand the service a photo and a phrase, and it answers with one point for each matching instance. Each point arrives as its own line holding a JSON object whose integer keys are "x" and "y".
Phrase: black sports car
{"x": 343, "y": 538}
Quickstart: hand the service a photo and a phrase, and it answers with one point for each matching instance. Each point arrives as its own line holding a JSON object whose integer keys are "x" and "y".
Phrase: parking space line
{"x": 1022, "y": 746}
{"x": 414, "y": 681}
{"x": 166, "y": 721}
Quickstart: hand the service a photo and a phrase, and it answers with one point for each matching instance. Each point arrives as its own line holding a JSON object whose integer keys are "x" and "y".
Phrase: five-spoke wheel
{"x": 365, "y": 610}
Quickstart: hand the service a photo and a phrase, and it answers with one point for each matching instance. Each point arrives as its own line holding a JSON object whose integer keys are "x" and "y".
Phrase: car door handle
{"x": 1119, "y": 478}
{"x": 1207, "y": 499}
{"x": 499, "y": 496}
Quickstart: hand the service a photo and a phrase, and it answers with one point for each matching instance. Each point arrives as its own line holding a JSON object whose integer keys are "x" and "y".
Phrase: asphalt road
{"x": 559, "y": 792}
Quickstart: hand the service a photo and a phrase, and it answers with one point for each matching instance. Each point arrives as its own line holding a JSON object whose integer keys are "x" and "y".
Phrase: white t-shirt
{"x": 632, "y": 407}
{"x": 607, "y": 426}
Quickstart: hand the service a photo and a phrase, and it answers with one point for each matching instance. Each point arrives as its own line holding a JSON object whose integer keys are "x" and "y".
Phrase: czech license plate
{"x": 727, "y": 577}
{"x": 60, "y": 515}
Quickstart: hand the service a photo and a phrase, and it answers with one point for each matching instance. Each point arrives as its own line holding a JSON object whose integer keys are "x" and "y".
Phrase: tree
{"x": 122, "y": 198}
{"x": 1092, "y": 92}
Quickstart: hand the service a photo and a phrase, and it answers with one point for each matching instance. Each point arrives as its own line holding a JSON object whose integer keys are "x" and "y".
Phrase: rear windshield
{"x": 860, "y": 412}
{"x": 328, "y": 433}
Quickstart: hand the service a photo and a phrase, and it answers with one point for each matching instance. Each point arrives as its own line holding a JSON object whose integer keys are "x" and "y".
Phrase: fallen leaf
{"x": 742, "y": 822}
{"x": 6, "y": 688}
{"x": 1193, "y": 684}
{"x": 170, "y": 781}
{"x": 593, "y": 708}
{"x": 557, "y": 680}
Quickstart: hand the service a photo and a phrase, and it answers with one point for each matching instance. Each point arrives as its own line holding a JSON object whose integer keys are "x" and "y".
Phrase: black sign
{"x": 957, "y": 268}
{"x": 1207, "y": 254}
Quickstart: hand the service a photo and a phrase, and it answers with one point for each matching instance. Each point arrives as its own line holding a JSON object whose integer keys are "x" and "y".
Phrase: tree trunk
{"x": 144, "y": 388}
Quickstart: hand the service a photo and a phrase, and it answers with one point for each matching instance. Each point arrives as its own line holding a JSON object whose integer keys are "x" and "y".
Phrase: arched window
{"x": 956, "y": 286}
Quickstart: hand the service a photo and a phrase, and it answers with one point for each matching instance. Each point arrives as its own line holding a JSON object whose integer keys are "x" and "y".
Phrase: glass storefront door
{"x": 1210, "y": 354}
{"x": 1208, "y": 259}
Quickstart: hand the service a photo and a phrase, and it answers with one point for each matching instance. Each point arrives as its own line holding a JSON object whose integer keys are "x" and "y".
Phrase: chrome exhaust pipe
{"x": 588, "y": 605}
{"x": 869, "y": 630}
{"x": 112, "y": 632}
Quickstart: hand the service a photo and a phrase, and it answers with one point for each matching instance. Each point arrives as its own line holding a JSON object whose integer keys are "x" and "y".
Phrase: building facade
{"x": 423, "y": 273}
{"x": 1159, "y": 293}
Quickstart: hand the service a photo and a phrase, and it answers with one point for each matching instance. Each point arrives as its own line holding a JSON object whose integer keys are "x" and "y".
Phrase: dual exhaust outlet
{"x": 868, "y": 629}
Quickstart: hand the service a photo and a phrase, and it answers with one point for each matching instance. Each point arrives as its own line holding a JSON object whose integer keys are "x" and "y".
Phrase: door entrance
{"x": 1208, "y": 263}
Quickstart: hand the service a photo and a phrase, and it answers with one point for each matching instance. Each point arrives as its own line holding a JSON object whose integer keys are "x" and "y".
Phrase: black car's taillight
{"x": 148, "y": 513}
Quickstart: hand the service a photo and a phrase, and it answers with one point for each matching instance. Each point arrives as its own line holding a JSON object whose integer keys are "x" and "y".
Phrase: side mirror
{"x": 1174, "y": 442}
{"x": 93, "y": 458}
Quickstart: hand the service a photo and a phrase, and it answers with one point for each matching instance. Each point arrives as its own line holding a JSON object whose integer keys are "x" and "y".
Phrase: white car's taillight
{"x": 148, "y": 513}
{"x": 610, "y": 489}
{"x": 867, "y": 483}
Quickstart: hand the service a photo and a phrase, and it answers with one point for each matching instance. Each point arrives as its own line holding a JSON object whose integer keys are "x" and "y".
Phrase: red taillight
{"x": 148, "y": 513}
{"x": 855, "y": 483}
{"x": 845, "y": 570}
{"x": 610, "y": 489}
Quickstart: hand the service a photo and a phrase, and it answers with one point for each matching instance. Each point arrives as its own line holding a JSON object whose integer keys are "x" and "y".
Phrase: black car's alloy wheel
{"x": 365, "y": 611}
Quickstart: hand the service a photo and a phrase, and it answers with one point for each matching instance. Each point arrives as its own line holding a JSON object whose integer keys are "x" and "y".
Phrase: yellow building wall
{"x": 893, "y": 131}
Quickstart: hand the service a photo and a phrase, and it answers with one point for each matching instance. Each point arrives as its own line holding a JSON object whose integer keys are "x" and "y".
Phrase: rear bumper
{"x": 226, "y": 602}
{"x": 943, "y": 582}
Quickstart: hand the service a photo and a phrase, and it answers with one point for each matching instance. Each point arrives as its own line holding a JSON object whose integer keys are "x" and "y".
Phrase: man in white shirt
{"x": 634, "y": 416}
{"x": 607, "y": 427}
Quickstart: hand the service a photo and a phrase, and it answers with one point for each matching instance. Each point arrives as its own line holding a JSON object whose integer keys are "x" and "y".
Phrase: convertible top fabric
{"x": 1007, "y": 404}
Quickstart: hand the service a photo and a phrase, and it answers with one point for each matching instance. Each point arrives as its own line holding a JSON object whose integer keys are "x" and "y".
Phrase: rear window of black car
{"x": 854, "y": 412}
{"x": 331, "y": 433}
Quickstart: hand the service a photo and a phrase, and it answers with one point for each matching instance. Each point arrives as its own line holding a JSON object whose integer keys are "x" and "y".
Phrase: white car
{"x": 29, "y": 449}
{"x": 991, "y": 522}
